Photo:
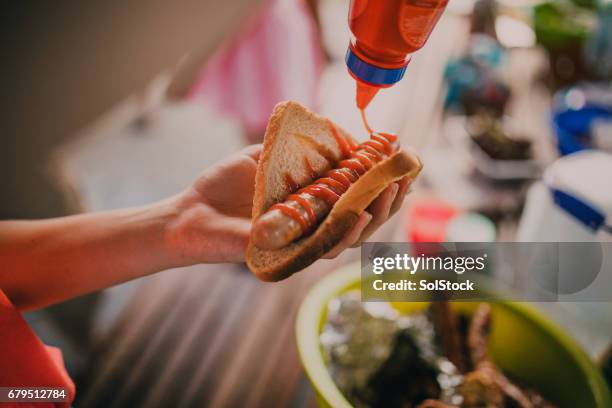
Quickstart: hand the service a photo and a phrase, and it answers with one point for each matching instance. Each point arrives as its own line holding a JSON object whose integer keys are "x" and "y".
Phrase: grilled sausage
{"x": 285, "y": 222}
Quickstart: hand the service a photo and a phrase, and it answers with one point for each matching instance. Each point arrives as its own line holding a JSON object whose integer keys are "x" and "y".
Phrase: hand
{"x": 386, "y": 205}
{"x": 214, "y": 214}
{"x": 213, "y": 219}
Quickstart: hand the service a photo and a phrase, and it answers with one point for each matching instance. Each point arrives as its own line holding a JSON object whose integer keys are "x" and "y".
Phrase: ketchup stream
{"x": 355, "y": 161}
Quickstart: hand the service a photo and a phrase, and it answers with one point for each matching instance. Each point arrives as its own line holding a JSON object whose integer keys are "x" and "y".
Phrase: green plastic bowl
{"x": 524, "y": 344}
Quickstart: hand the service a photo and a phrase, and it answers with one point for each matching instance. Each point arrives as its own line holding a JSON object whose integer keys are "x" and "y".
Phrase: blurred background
{"x": 122, "y": 103}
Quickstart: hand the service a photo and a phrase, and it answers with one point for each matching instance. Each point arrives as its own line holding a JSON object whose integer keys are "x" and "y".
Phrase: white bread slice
{"x": 292, "y": 134}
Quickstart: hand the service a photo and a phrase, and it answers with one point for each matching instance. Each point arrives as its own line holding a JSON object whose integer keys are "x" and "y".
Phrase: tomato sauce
{"x": 385, "y": 35}
{"x": 291, "y": 184}
{"x": 308, "y": 166}
{"x": 355, "y": 161}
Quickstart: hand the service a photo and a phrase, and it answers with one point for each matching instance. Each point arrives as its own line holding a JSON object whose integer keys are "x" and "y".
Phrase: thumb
{"x": 229, "y": 240}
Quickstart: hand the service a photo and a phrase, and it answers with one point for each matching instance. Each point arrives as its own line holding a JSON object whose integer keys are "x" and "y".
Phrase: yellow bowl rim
{"x": 309, "y": 319}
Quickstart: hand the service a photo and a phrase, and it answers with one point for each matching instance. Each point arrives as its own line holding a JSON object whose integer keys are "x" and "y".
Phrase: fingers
{"x": 223, "y": 240}
{"x": 404, "y": 187}
{"x": 232, "y": 239}
{"x": 379, "y": 209}
{"x": 202, "y": 235}
{"x": 352, "y": 237}
{"x": 385, "y": 205}
{"x": 253, "y": 151}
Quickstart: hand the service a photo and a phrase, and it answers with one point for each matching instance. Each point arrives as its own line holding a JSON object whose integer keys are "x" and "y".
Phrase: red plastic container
{"x": 386, "y": 33}
{"x": 427, "y": 220}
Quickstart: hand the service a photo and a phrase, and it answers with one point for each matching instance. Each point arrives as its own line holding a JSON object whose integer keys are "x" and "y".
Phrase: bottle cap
{"x": 371, "y": 74}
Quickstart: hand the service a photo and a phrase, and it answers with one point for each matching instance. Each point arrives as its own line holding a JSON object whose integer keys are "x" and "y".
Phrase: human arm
{"x": 48, "y": 261}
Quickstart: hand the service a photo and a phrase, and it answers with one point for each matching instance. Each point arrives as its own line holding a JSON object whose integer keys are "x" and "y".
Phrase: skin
{"x": 47, "y": 261}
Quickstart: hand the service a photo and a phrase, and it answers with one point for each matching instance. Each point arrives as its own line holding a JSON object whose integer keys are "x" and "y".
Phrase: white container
{"x": 567, "y": 204}
{"x": 587, "y": 177}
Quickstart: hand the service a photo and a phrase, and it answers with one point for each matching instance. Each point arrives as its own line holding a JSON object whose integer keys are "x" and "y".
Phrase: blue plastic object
{"x": 574, "y": 111}
{"x": 372, "y": 74}
{"x": 585, "y": 213}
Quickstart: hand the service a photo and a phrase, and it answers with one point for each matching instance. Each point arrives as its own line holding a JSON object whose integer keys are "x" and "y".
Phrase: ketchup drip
{"x": 290, "y": 183}
{"x": 312, "y": 217}
{"x": 343, "y": 143}
{"x": 311, "y": 173}
{"x": 355, "y": 161}
{"x": 364, "y": 119}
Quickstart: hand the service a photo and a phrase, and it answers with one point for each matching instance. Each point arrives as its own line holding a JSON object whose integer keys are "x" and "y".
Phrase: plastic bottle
{"x": 386, "y": 33}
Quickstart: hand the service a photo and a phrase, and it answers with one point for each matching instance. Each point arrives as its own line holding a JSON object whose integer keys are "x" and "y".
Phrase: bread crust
{"x": 275, "y": 265}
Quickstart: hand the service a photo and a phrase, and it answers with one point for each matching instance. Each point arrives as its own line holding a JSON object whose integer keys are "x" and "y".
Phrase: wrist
{"x": 174, "y": 214}
{"x": 152, "y": 228}
{"x": 196, "y": 232}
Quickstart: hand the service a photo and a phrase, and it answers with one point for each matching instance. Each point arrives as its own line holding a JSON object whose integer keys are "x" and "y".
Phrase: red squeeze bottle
{"x": 386, "y": 33}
